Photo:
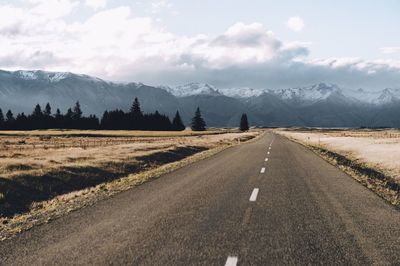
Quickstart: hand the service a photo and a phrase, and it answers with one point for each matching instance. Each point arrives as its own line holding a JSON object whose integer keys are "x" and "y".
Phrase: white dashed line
{"x": 231, "y": 261}
{"x": 262, "y": 170}
{"x": 266, "y": 159}
{"x": 269, "y": 148}
{"x": 268, "y": 153}
{"x": 254, "y": 195}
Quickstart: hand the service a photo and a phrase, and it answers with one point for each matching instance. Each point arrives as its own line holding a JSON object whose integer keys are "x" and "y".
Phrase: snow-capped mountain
{"x": 43, "y": 75}
{"x": 192, "y": 89}
{"x": 241, "y": 92}
{"x": 317, "y": 105}
{"x": 313, "y": 93}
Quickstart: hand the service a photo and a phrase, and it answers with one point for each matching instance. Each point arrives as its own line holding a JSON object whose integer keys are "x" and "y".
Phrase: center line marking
{"x": 266, "y": 159}
{"x": 254, "y": 195}
{"x": 231, "y": 261}
{"x": 268, "y": 153}
{"x": 262, "y": 170}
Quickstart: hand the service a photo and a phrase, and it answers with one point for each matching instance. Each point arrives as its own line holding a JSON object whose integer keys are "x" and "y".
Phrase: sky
{"x": 226, "y": 43}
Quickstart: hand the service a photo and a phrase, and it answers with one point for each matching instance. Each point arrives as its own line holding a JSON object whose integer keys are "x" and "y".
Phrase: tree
{"x": 135, "y": 108}
{"x": 77, "y": 112}
{"x": 244, "y": 124}
{"x": 136, "y": 116}
{"x": 10, "y": 120}
{"x": 177, "y": 123}
{"x": 37, "y": 112}
{"x": 47, "y": 110}
{"x": 10, "y": 116}
{"x": 198, "y": 123}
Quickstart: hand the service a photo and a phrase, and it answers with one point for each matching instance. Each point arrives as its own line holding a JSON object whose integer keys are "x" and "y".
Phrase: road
{"x": 248, "y": 205}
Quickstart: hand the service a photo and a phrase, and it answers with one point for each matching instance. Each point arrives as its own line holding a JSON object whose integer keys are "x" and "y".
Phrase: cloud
{"x": 135, "y": 48}
{"x": 157, "y": 7}
{"x": 96, "y": 4}
{"x": 390, "y": 50}
{"x": 295, "y": 24}
{"x": 51, "y": 9}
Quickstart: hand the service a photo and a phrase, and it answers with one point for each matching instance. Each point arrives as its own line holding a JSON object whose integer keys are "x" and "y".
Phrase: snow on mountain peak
{"x": 242, "y": 92}
{"x": 192, "y": 89}
{"x": 38, "y": 74}
{"x": 313, "y": 93}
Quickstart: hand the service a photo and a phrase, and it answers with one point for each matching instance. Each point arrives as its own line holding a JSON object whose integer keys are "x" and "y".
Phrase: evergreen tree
{"x": 135, "y": 108}
{"x": 58, "y": 119}
{"x": 77, "y": 112}
{"x": 244, "y": 124}
{"x": 10, "y": 120}
{"x": 198, "y": 123}
{"x": 2, "y": 121}
{"x": 136, "y": 116}
{"x": 47, "y": 110}
{"x": 10, "y": 116}
{"x": 177, "y": 123}
{"x": 37, "y": 112}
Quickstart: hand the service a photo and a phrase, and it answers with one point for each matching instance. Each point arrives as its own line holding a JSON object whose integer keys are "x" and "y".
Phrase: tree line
{"x": 117, "y": 119}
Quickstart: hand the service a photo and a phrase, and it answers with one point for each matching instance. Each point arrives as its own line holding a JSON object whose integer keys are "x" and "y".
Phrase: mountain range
{"x": 319, "y": 105}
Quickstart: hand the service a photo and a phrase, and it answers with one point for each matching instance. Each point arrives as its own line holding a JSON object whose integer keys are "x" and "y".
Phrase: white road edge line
{"x": 254, "y": 194}
{"x": 262, "y": 170}
{"x": 231, "y": 261}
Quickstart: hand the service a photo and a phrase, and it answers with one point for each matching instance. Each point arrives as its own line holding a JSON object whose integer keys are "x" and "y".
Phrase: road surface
{"x": 248, "y": 205}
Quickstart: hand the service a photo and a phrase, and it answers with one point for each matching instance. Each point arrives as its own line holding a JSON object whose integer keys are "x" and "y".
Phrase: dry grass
{"x": 371, "y": 156}
{"x": 44, "y": 134}
{"x": 377, "y": 148}
{"x": 35, "y": 168}
{"x": 128, "y": 164}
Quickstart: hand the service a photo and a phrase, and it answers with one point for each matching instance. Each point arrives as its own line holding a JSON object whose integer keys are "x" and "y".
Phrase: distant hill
{"x": 322, "y": 104}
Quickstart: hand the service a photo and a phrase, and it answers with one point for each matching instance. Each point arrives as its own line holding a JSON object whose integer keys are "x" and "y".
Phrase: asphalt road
{"x": 226, "y": 210}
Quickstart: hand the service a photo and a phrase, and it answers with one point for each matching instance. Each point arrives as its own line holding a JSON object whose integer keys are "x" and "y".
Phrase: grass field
{"x": 115, "y": 133}
{"x": 377, "y": 148}
{"x": 371, "y": 156}
{"x": 37, "y": 166}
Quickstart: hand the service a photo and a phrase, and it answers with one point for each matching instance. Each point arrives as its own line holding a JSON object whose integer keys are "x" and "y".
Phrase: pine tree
{"x": 244, "y": 124}
{"x": 58, "y": 113}
{"x": 198, "y": 123}
{"x": 47, "y": 110}
{"x": 177, "y": 123}
{"x": 10, "y": 120}
{"x": 77, "y": 112}
{"x": 37, "y": 112}
{"x": 135, "y": 108}
{"x": 136, "y": 116}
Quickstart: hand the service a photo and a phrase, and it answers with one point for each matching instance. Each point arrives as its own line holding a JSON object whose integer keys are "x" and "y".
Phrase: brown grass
{"x": 37, "y": 168}
{"x": 145, "y": 162}
{"x": 369, "y": 156}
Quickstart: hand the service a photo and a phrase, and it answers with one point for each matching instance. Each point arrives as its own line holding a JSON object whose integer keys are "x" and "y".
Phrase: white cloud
{"x": 52, "y": 9}
{"x": 157, "y": 7}
{"x": 295, "y": 24}
{"x": 390, "y": 50}
{"x": 96, "y": 4}
{"x": 135, "y": 48}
